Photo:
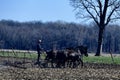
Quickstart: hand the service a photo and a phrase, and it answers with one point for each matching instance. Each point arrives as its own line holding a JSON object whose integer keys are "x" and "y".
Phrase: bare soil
{"x": 29, "y": 71}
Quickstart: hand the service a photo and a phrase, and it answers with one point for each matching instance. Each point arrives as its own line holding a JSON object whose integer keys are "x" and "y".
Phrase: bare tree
{"x": 101, "y": 11}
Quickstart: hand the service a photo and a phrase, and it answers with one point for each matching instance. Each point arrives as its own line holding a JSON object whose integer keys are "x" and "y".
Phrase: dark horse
{"x": 75, "y": 56}
{"x": 71, "y": 56}
{"x": 56, "y": 58}
{"x": 50, "y": 58}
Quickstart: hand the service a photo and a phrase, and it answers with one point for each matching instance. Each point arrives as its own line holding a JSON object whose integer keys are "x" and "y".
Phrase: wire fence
{"x": 27, "y": 58}
{"x": 17, "y": 58}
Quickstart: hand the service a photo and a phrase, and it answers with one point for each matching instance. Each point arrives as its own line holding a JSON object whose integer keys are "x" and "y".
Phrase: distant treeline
{"x": 59, "y": 34}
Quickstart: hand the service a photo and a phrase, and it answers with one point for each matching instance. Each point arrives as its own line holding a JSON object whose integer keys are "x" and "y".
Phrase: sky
{"x": 37, "y": 10}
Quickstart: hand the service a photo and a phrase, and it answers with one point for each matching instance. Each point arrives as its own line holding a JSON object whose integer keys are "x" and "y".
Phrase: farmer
{"x": 39, "y": 49}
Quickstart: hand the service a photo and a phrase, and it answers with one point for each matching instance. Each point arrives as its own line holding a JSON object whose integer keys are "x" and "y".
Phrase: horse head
{"x": 83, "y": 50}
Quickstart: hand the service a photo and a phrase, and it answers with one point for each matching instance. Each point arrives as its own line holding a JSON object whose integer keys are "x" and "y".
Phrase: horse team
{"x": 70, "y": 57}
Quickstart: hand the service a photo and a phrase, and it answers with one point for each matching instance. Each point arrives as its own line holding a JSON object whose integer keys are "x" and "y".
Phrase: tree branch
{"x": 111, "y": 13}
{"x": 100, "y": 7}
{"x": 93, "y": 7}
{"x": 86, "y": 7}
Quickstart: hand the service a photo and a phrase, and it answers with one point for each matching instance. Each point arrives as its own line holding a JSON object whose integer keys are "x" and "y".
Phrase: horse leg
{"x": 52, "y": 64}
{"x": 81, "y": 61}
{"x": 58, "y": 64}
{"x": 64, "y": 64}
{"x": 73, "y": 64}
{"x": 70, "y": 64}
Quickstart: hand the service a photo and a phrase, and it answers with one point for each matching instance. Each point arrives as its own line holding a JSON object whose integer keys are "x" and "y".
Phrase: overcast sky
{"x": 37, "y": 10}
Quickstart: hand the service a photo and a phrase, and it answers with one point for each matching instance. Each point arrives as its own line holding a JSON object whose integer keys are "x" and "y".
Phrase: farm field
{"x": 95, "y": 68}
{"x": 89, "y": 72}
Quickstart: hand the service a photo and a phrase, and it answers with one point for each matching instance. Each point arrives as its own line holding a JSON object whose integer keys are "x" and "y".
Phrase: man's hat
{"x": 39, "y": 41}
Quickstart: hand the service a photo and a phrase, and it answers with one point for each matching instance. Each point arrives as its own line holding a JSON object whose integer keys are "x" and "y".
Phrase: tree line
{"x": 59, "y": 35}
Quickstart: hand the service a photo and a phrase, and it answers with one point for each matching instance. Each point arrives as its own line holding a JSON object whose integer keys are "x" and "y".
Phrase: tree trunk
{"x": 100, "y": 39}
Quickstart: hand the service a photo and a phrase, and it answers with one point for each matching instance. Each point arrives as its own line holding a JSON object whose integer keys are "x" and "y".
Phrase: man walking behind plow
{"x": 39, "y": 49}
